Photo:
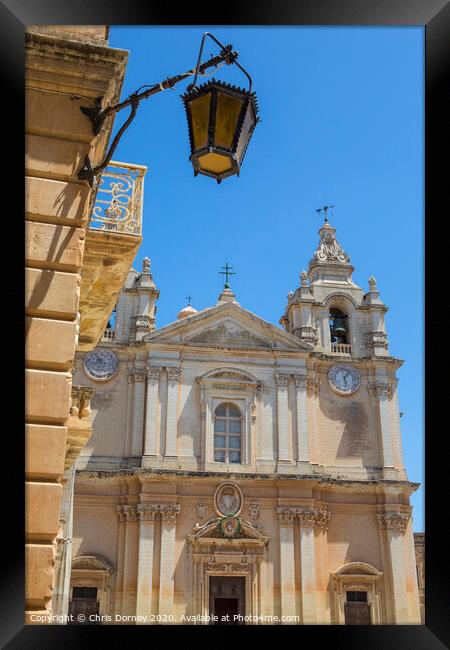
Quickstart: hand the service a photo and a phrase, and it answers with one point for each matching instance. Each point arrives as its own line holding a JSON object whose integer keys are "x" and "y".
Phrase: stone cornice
{"x": 324, "y": 482}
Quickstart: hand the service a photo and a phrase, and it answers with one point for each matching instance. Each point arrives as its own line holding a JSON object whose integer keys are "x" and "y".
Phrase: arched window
{"x": 338, "y": 326}
{"x": 227, "y": 434}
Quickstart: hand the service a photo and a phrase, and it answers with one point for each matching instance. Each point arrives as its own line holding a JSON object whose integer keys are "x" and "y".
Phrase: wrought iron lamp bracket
{"x": 97, "y": 115}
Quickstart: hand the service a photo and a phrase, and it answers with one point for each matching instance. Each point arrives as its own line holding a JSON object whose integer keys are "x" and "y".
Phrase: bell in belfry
{"x": 339, "y": 327}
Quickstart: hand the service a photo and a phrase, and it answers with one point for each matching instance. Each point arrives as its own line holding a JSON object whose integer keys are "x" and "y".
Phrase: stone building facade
{"x": 67, "y": 68}
{"x": 237, "y": 469}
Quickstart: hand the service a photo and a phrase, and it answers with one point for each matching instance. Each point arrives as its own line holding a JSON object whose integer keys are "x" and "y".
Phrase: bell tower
{"x": 332, "y": 312}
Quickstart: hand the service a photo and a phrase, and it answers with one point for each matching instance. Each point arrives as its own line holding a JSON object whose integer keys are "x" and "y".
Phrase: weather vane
{"x": 325, "y": 210}
{"x": 227, "y": 272}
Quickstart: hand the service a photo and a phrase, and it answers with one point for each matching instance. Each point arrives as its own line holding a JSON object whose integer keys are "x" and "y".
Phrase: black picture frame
{"x": 434, "y": 15}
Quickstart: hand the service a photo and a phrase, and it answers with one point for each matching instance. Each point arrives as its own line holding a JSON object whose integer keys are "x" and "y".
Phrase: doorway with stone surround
{"x": 227, "y": 599}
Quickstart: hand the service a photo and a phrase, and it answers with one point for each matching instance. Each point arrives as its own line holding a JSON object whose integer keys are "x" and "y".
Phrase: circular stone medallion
{"x": 101, "y": 364}
{"x": 228, "y": 499}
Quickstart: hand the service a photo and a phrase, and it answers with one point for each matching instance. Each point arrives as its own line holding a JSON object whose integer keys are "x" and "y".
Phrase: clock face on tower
{"x": 344, "y": 379}
{"x": 101, "y": 364}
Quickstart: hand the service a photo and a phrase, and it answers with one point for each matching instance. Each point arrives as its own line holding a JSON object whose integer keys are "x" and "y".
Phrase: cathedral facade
{"x": 240, "y": 472}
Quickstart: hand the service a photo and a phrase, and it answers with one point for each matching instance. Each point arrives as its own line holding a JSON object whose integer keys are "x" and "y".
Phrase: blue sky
{"x": 342, "y": 123}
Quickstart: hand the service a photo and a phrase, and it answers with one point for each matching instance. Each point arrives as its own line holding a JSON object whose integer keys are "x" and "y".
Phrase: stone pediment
{"x": 227, "y": 326}
{"x": 229, "y": 335}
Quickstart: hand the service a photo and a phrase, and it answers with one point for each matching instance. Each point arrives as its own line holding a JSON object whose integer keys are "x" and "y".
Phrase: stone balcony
{"x": 341, "y": 348}
{"x": 112, "y": 240}
{"x": 109, "y": 335}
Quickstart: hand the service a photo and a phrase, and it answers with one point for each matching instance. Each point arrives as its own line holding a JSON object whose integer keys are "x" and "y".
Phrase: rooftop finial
{"x": 325, "y": 209}
{"x": 189, "y": 298}
{"x": 227, "y": 272}
{"x": 146, "y": 265}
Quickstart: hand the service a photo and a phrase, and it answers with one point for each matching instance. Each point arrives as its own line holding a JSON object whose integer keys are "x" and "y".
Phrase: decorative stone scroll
{"x": 393, "y": 521}
{"x": 307, "y": 333}
{"x": 228, "y": 567}
{"x": 377, "y": 339}
{"x": 329, "y": 249}
{"x": 253, "y": 510}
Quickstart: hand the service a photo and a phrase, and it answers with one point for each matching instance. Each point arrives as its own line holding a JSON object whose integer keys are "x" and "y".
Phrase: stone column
{"x": 173, "y": 379}
{"x": 384, "y": 393}
{"x": 167, "y": 572}
{"x": 151, "y": 436}
{"x": 138, "y": 413}
{"x": 281, "y": 382}
{"x": 287, "y": 562}
{"x": 128, "y": 605}
{"x": 302, "y": 420}
{"x": 394, "y": 525}
{"x": 120, "y": 560}
{"x": 307, "y": 520}
{"x": 129, "y": 421}
{"x": 146, "y": 513}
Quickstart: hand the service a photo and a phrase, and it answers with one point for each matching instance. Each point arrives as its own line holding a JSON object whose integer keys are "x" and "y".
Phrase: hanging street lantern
{"x": 221, "y": 120}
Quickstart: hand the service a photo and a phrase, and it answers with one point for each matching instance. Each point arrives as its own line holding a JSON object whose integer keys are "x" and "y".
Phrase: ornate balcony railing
{"x": 341, "y": 348}
{"x": 109, "y": 334}
{"x": 119, "y": 199}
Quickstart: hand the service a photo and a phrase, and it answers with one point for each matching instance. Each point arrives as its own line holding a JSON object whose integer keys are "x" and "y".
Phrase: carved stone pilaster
{"x": 170, "y": 513}
{"x": 301, "y": 382}
{"x": 174, "y": 374}
{"x": 148, "y": 511}
{"x": 258, "y": 390}
{"x": 286, "y": 517}
{"x": 281, "y": 381}
{"x": 381, "y": 390}
{"x": 395, "y": 521}
{"x": 313, "y": 387}
{"x": 130, "y": 378}
{"x": 153, "y": 374}
{"x": 140, "y": 377}
{"x": 129, "y": 513}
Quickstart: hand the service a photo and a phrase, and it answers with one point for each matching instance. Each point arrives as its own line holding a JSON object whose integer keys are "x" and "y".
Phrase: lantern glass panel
{"x": 200, "y": 119}
{"x": 227, "y": 114}
{"x": 214, "y": 163}
{"x": 247, "y": 128}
